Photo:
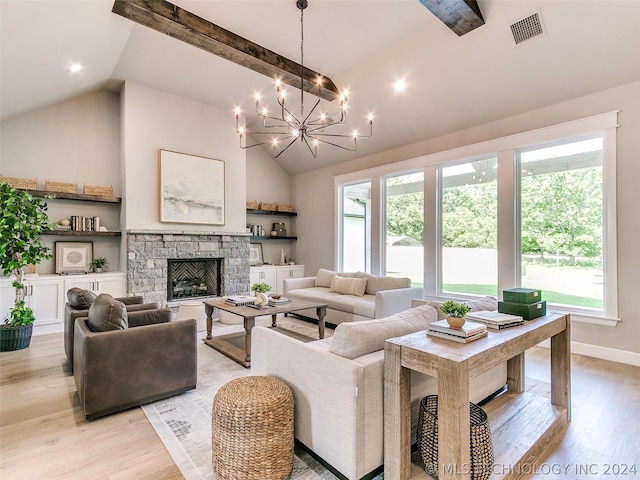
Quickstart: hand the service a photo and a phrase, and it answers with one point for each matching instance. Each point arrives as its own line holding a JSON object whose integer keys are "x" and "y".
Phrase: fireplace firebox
{"x": 193, "y": 277}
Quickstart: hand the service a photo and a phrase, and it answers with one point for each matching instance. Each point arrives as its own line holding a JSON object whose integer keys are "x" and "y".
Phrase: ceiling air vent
{"x": 527, "y": 28}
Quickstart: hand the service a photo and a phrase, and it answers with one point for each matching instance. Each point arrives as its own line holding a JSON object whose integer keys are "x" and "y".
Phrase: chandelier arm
{"x": 313, "y": 151}
{"x": 311, "y": 111}
{"x": 337, "y": 144}
{"x": 286, "y": 148}
{"x": 284, "y": 110}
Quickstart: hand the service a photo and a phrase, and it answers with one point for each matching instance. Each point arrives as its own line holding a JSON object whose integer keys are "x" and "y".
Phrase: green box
{"x": 522, "y": 295}
{"x": 528, "y": 312}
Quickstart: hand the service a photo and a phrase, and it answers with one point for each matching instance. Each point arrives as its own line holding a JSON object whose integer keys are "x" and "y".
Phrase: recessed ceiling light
{"x": 75, "y": 67}
{"x": 400, "y": 85}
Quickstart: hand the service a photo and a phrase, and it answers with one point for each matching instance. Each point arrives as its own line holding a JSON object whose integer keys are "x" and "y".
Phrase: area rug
{"x": 183, "y": 422}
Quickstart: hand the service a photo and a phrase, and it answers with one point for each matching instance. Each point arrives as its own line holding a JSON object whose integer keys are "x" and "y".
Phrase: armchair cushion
{"x": 79, "y": 298}
{"x": 106, "y": 314}
{"x": 354, "y": 339}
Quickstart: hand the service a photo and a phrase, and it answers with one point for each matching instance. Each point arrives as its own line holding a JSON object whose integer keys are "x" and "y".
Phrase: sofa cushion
{"x": 80, "y": 299}
{"x": 364, "y": 306}
{"x": 106, "y": 314}
{"x": 484, "y": 303}
{"x": 324, "y": 278}
{"x": 354, "y": 339}
{"x": 348, "y": 286}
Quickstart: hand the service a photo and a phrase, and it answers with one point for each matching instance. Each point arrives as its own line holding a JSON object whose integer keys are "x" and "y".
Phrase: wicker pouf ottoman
{"x": 481, "y": 445}
{"x": 252, "y": 429}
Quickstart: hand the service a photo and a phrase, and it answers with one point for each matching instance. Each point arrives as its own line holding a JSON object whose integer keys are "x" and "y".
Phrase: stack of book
{"x": 274, "y": 302}
{"x": 240, "y": 300}
{"x": 496, "y": 320}
{"x": 467, "y": 333}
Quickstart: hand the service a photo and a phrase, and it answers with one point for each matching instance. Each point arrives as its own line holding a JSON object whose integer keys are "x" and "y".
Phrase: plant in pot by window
{"x": 261, "y": 290}
{"x": 22, "y": 221}
{"x": 455, "y": 313}
{"x": 98, "y": 263}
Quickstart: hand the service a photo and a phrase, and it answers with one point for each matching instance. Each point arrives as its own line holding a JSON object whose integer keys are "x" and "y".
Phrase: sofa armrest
{"x": 296, "y": 283}
{"x": 149, "y": 317}
{"x": 131, "y": 300}
{"x": 389, "y": 302}
{"x": 119, "y": 368}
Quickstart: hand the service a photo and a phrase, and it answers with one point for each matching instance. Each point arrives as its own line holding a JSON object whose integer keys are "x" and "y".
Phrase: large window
{"x": 536, "y": 209}
{"x": 404, "y": 232}
{"x": 469, "y": 227}
{"x": 561, "y": 221}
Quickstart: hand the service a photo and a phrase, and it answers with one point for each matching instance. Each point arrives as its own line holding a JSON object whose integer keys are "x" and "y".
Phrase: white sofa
{"x": 338, "y": 386}
{"x": 353, "y": 296}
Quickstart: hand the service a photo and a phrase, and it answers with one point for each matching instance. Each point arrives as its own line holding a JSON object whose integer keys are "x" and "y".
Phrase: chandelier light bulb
{"x": 370, "y": 118}
{"x": 238, "y": 111}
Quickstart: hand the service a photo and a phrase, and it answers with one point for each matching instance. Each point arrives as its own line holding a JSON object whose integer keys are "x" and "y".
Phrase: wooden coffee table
{"x": 231, "y": 344}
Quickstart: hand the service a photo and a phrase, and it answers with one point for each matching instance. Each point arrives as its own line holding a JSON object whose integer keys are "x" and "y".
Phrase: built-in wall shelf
{"x": 75, "y": 196}
{"x": 73, "y": 233}
{"x": 251, "y": 211}
{"x": 254, "y": 237}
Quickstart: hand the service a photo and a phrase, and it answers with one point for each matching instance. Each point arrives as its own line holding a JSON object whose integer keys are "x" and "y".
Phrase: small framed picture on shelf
{"x": 255, "y": 254}
{"x": 73, "y": 257}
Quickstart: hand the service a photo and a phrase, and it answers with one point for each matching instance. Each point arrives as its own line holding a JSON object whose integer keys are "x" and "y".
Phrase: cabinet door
{"x": 263, "y": 275}
{"x": 45, "y": 297}
{"x": 290, "y": 271}
{"x": 113, "y": 284}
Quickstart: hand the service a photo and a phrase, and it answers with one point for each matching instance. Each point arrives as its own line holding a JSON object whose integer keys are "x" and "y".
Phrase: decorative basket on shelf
{"x": 268, "y": 206}
{"x": 60, "y": 187}
{"x": 98, "y": 190}
{"x": 284, "y": 208}
{"x": 482, "y": 457}
{"x": 255, "y": 205}
{"x": 16, "y": 182}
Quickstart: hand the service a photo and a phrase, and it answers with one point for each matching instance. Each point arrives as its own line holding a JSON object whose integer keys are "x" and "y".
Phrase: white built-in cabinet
{"x": 275, "y": 275}
{"x": 47, "y": 294}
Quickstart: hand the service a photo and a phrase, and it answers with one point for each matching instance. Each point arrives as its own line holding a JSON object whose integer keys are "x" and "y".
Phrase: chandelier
{"x": 312, "y": 129}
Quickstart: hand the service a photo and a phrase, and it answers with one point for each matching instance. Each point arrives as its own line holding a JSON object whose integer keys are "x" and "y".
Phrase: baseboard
{"x": 603, "y": 353}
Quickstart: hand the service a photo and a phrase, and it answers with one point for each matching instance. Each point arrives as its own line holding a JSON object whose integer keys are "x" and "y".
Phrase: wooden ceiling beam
{"x": 179, "y": 23}
{"x": 461, "y": 16}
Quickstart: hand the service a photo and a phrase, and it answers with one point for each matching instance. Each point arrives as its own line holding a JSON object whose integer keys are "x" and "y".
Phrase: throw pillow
{"x": 106, "y": 314}
{"x": 348, "y": 285}
{"x": 79, "y": 298}
{"x": 484, "y": 303}
{"x": 324, "y": 278}
{"x": 354, "y": 339}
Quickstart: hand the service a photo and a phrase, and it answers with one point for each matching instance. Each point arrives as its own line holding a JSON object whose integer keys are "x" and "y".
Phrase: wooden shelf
{"x": 251, "y": 211}
{"x": 73, "y": 233}
{"x": 253, "y": 237}
{"x": 75, "y": 196}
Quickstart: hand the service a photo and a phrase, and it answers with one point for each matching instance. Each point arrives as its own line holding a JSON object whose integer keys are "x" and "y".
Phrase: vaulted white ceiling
{"x": 363, "y": 45}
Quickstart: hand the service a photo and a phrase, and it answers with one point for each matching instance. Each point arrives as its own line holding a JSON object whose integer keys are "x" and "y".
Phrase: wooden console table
{"x": 522, "y": 423}
{"x": 228, "y": 344}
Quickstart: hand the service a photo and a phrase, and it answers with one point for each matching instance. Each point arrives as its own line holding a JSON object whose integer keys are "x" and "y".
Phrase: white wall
{"x": 314, "y": 197}
{"x": 153, "y": 120}
{"x": 76, "y": 141}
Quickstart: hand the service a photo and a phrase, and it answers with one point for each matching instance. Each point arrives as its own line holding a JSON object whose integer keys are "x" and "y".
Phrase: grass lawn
{"x": 548, "y": 295}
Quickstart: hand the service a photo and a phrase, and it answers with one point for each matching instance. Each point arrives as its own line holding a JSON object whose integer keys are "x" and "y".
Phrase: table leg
{"x": 515, "y": 374}
{"x": 397, "y": 415}
{"x": 561, "y": 368}
{"x": 249, "y": 323}
{"x": 273, "y": 319}
{"x": 321, "y": 312}
{"x": 454, "y": 450}
{"x": 209, "y": 311}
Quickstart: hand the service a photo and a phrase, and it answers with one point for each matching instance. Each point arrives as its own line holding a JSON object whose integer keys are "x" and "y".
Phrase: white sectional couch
{"x": 353, "y": 296}
{"x": 338, "y": 385}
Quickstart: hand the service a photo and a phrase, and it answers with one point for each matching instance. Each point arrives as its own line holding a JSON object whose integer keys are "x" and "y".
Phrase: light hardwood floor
{"x": 43, "y": 434}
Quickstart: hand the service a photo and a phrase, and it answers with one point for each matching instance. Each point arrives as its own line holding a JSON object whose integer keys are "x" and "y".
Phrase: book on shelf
{"x": 467, "y": 330}
{"x": 457, "y": 338}
{"x": 239, "y": 300}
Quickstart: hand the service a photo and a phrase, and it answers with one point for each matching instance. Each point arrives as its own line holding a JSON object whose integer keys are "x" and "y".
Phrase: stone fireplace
{"x": 150, "y": 253}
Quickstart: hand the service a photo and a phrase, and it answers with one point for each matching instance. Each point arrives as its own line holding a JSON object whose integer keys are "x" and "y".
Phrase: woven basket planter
{"x": 15, "y": 338}
{"x": 252, "y": 429}
{"x": 481, "y": 445}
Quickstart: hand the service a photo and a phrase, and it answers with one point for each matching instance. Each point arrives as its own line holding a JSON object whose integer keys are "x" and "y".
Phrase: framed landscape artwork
{"x": 191, "y": 189}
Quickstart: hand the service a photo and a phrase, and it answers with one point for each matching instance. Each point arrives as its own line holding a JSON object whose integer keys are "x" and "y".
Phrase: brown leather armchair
{"x": 77, "y": 306}
{"x": 123, "y": 359}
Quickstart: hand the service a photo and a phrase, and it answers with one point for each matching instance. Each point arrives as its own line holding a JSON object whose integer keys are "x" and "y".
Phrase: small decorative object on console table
{"x": 455, "y": 313}
{"x": 468, "y": 332}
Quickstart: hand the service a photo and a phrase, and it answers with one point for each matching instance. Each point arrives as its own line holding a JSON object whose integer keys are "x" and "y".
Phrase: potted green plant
{"x": 455, "y": 313}
{"x": 98, "y": 263}
{"x": 22, "y": 221}
{"x": 260, "y": 287}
